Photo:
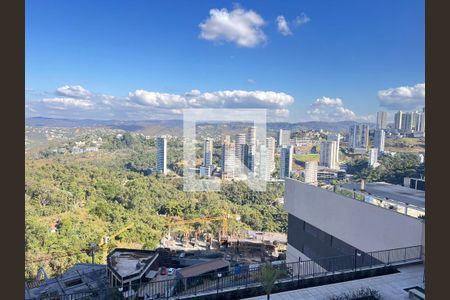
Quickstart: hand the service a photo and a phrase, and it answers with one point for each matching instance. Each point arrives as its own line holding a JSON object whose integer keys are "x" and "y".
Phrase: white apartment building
{"x": 284, "y": 138}
{"x": 328, "y": 154}
{"x": 270, "y": 144}
{"x": 228, "y": 160}
{"x": 208, "y": 152}
{"x": 311, "y": 172}
{"x": 373, "y": 157}
{"x": 381, "y": 120}
{"x": 359, "y": 136}
{"x": 379, "y": 139}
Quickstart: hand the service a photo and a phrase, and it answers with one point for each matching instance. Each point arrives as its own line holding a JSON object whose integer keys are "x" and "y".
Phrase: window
{"x": 73, "y": 282}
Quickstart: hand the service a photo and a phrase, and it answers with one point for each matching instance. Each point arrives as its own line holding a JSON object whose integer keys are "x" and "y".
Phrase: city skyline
{"x": 109, "y": 69}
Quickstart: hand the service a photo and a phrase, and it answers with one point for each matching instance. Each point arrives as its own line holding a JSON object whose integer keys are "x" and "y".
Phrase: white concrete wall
{"x": 364, "y": 226}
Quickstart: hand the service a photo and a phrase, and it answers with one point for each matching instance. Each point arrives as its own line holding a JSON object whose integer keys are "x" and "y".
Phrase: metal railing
{"x": 246, "y": 276}
{"x": 394, "y": 205}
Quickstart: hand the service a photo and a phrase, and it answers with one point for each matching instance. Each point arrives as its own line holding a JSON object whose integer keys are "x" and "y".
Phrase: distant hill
{"x": 174, "y": 127}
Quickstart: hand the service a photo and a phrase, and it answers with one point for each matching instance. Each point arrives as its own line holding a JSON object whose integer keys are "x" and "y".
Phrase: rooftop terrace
{"x": 127, "y": 263}
{"x": 392, "y": 191}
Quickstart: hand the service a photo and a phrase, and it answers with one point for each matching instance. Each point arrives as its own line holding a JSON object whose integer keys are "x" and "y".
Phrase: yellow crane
{"x": 175, "y": 222}
{"x": 103, "y": 244}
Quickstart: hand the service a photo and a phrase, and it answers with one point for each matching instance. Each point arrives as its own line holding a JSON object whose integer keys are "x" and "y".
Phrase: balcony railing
{"x": 394, "y": 205}
{"x": 247, "y": 276}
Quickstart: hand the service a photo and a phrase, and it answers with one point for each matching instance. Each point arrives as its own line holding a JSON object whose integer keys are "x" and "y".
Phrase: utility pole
{"x": 93, "y": 249}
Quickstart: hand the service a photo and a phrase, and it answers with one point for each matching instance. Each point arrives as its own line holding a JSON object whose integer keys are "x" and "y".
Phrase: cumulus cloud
{"x": 66, "y": 103}
{"x": 73, "y": 91}
{"x": 333, "y": 110}
{"x": 302, "y": 19}
{"x": 403, "y": 97}
{"x": 283, "y": 26}
{"x": 217, "y": 99}
{"x": 143, "y": 104}
{"x": 239, "y": 26}
{"x": 156, "y": 99}
{"x": 326, "y": 101}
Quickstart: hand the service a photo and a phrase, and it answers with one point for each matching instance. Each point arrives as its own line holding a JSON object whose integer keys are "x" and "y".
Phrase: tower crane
{"x": 224, "y": 219}
{"x": 103, "y": 244}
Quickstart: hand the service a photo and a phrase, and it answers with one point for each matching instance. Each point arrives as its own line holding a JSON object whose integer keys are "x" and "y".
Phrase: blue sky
{"x": 303, "y": 60}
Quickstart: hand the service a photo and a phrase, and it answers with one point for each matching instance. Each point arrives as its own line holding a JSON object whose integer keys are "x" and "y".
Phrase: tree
{"x": 268, "y": 276}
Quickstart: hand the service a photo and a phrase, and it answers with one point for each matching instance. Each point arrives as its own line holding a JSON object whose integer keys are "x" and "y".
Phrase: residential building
{"x": 373, "y": 157}
{"x": 240, "y": 139}
{"x": 270, "y": 144}
{"x": 311, "y": 172}
{"x": 228, "y": 160}
{"x": 421, "y": 121}
{"x": 408, "y": 120}
{"x": 262, "y": 166}
{"x": 286, "y": 161}
{"x": 359, "y": 136}
{"x": 206, "y": 171}
{"x": 284, "y": 138}
{"x": 161, "y": 155}
{"x": 337, "y": 138}
{"x": 398, "y": 117}
{"x": 381, "y": 120}
{"x": 241, "y": 152}
{"x": 251, "y": 143}
{"x": 328, "y": 154}
{"x": 128, "y": 267}
{"x": 208, "y": 152}
{"x": 379, "y": 140}
{"x": 226, "y": 139}
{"x": 90, "y": 280}
{"x": 325, "y": 224}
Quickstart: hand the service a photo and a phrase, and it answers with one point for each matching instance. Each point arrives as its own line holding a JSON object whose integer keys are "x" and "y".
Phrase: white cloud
{"x": 217, "y": 99}
{"x": 302, "y": 19}
{"x": 278, "y": 114}
{"x": 283, "y": 26}
{"x": 142, "y": 104}
{"x": 252, "y": 81}
{"x": 242, "y": 27}
{"x": 403, "y": 97}
{"x": 74, "y": 91}
{"x": 65, "y": 103}
{"x": 333, "y": 110}
{"x": 156, "y": 99}
{"x": 326, "y": 101}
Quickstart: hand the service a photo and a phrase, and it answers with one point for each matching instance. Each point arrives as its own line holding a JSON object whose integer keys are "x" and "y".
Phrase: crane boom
{"x": 105, "y": 239}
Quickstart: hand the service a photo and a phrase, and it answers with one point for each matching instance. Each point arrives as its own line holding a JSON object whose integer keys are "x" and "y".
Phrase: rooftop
{"x": 391, "y": 191}
{"x": 128, "y": 262}
{"x": 203, "y": 268}
{"x": 81, "y": 278}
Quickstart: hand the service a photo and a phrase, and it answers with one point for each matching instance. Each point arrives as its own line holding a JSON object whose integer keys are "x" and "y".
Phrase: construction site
{"x": 241, "y": 246}
{"x": 200, "y": 247}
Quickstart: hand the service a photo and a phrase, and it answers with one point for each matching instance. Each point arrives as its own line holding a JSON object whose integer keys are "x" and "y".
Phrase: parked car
{"x": 171, "y": 271}
{"x": 163, "y": 271}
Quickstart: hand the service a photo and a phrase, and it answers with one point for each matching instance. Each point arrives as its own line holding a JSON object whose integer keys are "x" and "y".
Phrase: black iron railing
{"x": 247, "y": 276}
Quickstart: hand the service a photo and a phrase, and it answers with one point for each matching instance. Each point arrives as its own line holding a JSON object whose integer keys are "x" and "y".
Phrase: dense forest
{"x": 392, "y": 169}
{"x": 71, "y": 201}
